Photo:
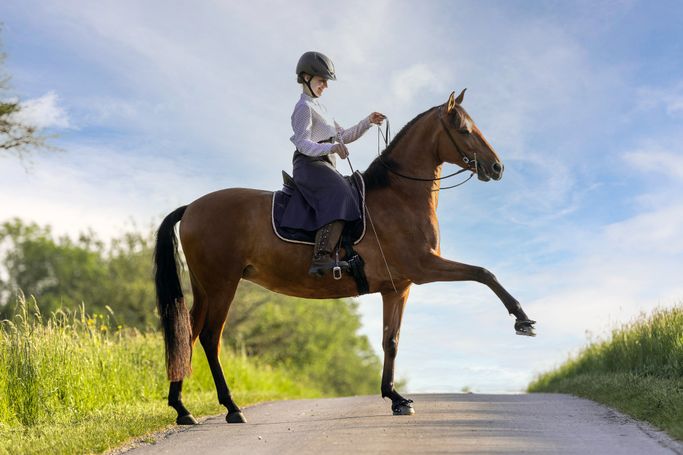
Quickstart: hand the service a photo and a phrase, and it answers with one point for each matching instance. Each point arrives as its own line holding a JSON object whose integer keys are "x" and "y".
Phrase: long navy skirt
{"x": 323, "y": 195}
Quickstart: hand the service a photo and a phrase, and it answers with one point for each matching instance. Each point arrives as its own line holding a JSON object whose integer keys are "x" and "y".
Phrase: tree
{"x": 316, "y": 337}
{"x": 64, "y": 273}
{"x": 16, "y": 135}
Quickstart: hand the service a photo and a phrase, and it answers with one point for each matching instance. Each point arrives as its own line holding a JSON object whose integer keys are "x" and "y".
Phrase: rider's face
{"x": 318, "y": 85}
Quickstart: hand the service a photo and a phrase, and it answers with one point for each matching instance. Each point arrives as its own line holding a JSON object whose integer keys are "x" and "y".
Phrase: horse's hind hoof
{"x": 404, "y": 408}
{"x": 525, "y": 328}
{"x": 235, "y": 417}
{"x": 186, "y": 420}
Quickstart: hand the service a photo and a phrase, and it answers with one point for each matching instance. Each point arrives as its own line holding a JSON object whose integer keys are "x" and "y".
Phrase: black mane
{"x": 377, "y": 174}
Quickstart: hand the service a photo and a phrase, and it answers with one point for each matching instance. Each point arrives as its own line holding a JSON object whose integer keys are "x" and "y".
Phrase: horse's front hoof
{"x": 525, "y": 328}
{"x": 186, "y": 420}
{"x": 235, "y": 417}
{"x": 403, "y": 408}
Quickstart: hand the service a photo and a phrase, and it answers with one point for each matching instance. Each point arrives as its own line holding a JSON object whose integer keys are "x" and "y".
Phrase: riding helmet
{"x": 315, "y": 64}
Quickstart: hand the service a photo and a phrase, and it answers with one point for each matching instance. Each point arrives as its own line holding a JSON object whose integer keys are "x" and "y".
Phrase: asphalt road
{"x": 445, "y": 423}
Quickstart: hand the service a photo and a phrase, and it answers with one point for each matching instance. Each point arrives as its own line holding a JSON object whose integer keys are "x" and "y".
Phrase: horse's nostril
{"x": 497, "y": 168}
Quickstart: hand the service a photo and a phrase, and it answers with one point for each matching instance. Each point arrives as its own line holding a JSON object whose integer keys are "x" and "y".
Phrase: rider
{"x": 316, "y": 136}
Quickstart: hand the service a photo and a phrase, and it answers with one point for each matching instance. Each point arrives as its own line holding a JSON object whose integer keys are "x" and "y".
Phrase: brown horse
{"x": 227, "y": 236}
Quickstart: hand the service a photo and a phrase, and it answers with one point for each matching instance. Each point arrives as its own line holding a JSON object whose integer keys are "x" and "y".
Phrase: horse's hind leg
{"x": 210, "y": 337}
{"x": 175, "y": 401}
{"x": 197, "y": 316}
{"x": 394, "y": 304}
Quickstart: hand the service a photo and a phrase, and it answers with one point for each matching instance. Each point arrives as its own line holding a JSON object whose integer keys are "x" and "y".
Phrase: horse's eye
{"x": 463, "y": 131}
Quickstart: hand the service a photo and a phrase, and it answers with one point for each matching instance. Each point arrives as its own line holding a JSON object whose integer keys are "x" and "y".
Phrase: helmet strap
{"x": 308, "y": 84}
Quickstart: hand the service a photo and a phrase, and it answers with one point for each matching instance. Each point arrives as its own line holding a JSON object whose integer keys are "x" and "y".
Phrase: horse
{"x": 227, "y": 236}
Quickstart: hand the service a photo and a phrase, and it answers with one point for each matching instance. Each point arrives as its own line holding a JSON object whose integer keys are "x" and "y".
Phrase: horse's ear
{"x": 451, "y": 103}
{"x": 458, "y": 100}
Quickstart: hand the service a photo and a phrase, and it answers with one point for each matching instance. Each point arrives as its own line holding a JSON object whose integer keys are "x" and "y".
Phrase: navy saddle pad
{"x": 355, "y": 230}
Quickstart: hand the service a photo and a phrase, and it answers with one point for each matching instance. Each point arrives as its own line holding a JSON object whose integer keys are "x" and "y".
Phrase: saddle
{"x": 353, "y": 231}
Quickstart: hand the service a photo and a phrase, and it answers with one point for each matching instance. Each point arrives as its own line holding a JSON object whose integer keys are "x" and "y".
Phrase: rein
{"x": 385, "y": 136}
{"x": 372, "y": 224}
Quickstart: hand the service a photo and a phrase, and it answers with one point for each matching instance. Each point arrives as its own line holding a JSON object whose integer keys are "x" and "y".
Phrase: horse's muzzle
{"x": 493, "y": 172}
{"x": 497, "y": 171}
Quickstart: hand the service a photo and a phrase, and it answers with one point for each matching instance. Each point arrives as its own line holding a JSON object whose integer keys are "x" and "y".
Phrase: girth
{"x": 356, "y": 266}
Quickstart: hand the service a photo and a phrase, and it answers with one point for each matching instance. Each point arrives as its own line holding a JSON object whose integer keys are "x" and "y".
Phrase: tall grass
{"x": 638, "y": 369}
{"x": 72, "y": 383}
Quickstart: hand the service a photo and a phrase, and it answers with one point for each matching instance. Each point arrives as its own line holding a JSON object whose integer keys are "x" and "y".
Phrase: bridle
{"x": 471, "y": 163}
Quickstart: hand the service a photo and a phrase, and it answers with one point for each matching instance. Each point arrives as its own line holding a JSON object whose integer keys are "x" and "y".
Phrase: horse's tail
{"x": 175, "y": 319}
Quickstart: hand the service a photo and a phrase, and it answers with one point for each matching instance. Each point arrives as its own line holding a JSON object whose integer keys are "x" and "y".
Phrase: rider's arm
{"x": 355, "y": 132}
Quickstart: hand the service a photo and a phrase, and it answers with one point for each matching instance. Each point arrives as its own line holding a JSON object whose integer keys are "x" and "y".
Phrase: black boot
{"x": 326, "y": 238}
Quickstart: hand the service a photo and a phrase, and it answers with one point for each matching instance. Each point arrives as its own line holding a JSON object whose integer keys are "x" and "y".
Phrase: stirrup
{"x": 336, "y": 270}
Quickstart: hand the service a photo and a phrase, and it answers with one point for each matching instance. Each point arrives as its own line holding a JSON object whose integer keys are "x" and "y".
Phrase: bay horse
{"x": 227, "y": 236}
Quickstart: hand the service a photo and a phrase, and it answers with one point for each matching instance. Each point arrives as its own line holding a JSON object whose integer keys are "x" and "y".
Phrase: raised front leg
{"x": 394, "y": 303}
{"x": 435, "y": 268}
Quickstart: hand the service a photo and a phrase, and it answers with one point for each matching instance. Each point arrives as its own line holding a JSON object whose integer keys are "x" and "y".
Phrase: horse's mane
{"x": 377, "y": 174}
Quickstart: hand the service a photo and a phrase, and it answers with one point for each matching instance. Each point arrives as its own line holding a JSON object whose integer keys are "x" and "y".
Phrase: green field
{"x": 75, "y": 384}
{"x": 638, "y": 370}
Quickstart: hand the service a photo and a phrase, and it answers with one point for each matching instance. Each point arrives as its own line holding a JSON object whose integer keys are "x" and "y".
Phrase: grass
{"x": 73, "y": 384}
{"x": 638, "y": 370}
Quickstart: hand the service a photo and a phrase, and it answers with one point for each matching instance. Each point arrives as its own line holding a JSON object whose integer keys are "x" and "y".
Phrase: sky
{"x": 156, "y": 103}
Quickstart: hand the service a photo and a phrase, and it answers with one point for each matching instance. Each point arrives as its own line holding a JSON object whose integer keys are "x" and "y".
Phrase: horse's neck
{"x": 416, "y": 156}
{"x": 418, "y": 200}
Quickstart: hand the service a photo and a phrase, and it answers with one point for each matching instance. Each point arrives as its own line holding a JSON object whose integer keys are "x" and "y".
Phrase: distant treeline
{"x": 318, "y": 338}
{"x": 638, "y": 370}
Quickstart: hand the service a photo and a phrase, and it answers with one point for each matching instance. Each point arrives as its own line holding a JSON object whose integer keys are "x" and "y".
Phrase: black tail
{"x": 175, "y": 318}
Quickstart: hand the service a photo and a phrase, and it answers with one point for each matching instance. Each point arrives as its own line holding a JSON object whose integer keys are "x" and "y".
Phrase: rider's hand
{"x": 341, "y": 150}
{"x": 376, "y": 118}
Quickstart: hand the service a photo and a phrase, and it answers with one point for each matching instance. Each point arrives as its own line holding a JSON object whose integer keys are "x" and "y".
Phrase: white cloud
{"x": 668, "y": 98}
{"x": 657, "y": 160}
{"x": 96, "y": 187}
{"x": 657, "y": 232}
{"x": 416, "y": 79}
{"x": 43, "y": 112}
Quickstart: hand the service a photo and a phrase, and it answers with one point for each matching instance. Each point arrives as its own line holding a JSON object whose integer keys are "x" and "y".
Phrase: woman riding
{"x": 318, "y": 138}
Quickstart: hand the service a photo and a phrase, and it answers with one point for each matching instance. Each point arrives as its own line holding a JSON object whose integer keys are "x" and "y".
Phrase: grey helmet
{"x": 315, "y": 64}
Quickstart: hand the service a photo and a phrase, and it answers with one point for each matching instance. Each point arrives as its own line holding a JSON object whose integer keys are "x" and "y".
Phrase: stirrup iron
{"x": 336, "y": 270}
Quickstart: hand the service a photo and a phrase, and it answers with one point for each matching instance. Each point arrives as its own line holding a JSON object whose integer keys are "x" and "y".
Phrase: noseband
{"x": 472, "y": 164}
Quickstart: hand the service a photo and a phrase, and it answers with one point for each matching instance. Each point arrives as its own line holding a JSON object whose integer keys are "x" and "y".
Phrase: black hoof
{"x": 235, "y": 417}
{"x": 525, "y": 328}
{"x": 403, "y": 408}
{"x": 186, "y": 420}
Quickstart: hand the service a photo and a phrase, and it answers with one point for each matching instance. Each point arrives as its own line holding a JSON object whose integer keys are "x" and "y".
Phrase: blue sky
{"x": 156, "y": 103}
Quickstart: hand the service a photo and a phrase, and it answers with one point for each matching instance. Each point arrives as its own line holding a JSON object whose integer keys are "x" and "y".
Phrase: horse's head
{"x": 464, "y": 144}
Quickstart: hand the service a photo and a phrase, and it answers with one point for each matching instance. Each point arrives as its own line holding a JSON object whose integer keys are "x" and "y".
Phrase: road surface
{"x": 443, "y": 423}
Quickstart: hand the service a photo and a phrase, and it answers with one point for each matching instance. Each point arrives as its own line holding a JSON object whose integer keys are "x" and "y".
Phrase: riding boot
{"x": 326, "y": 239}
